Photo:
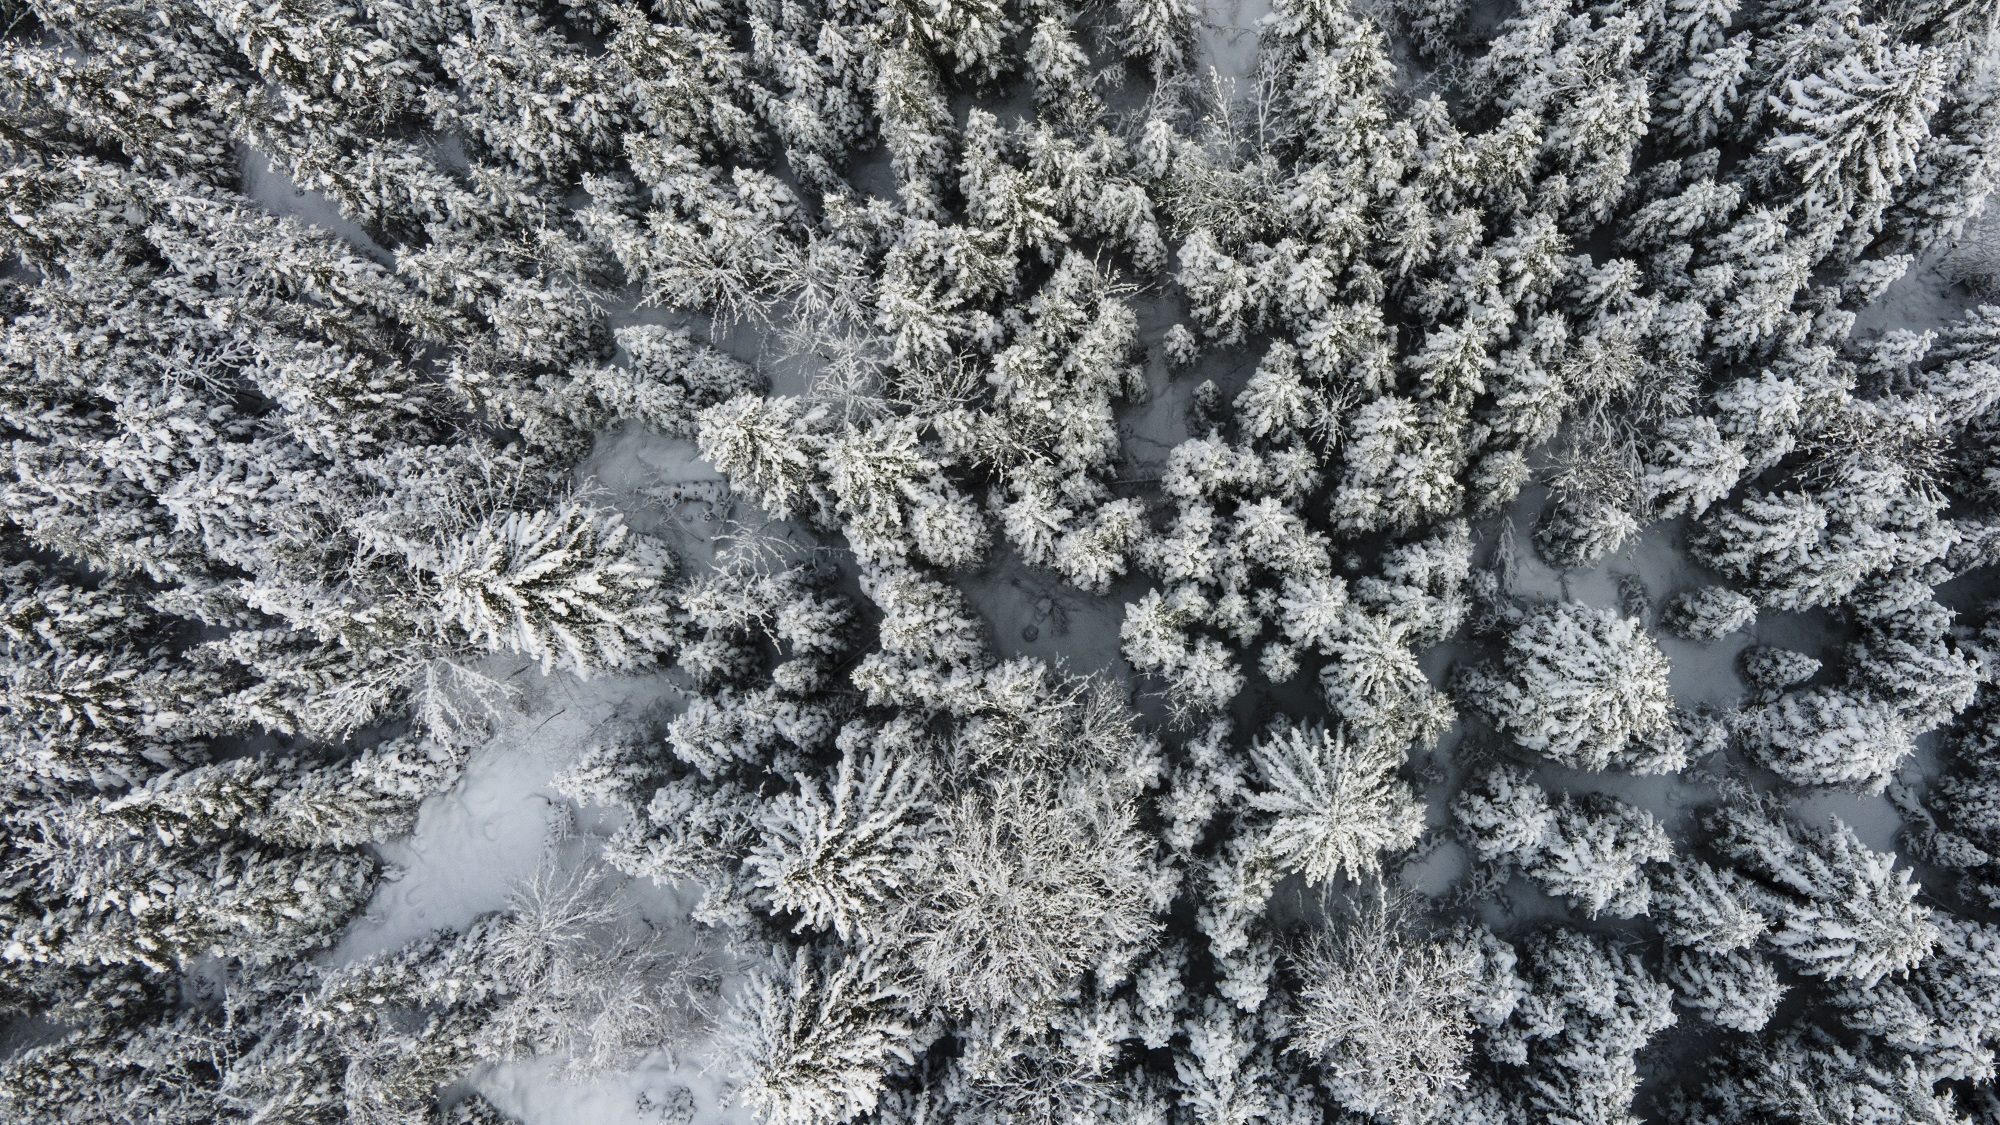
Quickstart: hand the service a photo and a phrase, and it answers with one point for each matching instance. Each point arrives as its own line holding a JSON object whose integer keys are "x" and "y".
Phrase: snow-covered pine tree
{"x": 1331, "y": 807}
{"x": 1807, "y": 1074}
{"x": 1597, "y": 853}
{"x": 1383, "y": 1011}
{"x": 1839, "y": 910}
{"x": 571, "y": 588}
{"x": 1829, "y": 736}
{"x": 838, "y": 850}
{"x": 1736, "y": 991}
{"x": 1581, "y": 686}
{"x": 1567, "y": 1048}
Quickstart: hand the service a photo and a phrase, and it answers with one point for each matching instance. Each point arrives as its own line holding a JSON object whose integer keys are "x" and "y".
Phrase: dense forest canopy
{"x": 1244, "y": 342}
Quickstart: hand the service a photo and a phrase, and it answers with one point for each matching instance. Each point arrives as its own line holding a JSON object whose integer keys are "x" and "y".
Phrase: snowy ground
{"x": 475, "y": 843}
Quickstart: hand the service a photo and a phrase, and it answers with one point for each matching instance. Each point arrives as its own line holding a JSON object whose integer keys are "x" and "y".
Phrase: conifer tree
{"x": 1581, "y": 686}
{"x": 1334, "y": 807}
{"x": 1841, "y": 911}
{"x": 1384, "y": 1011}
{"x": 834, "y": 853}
